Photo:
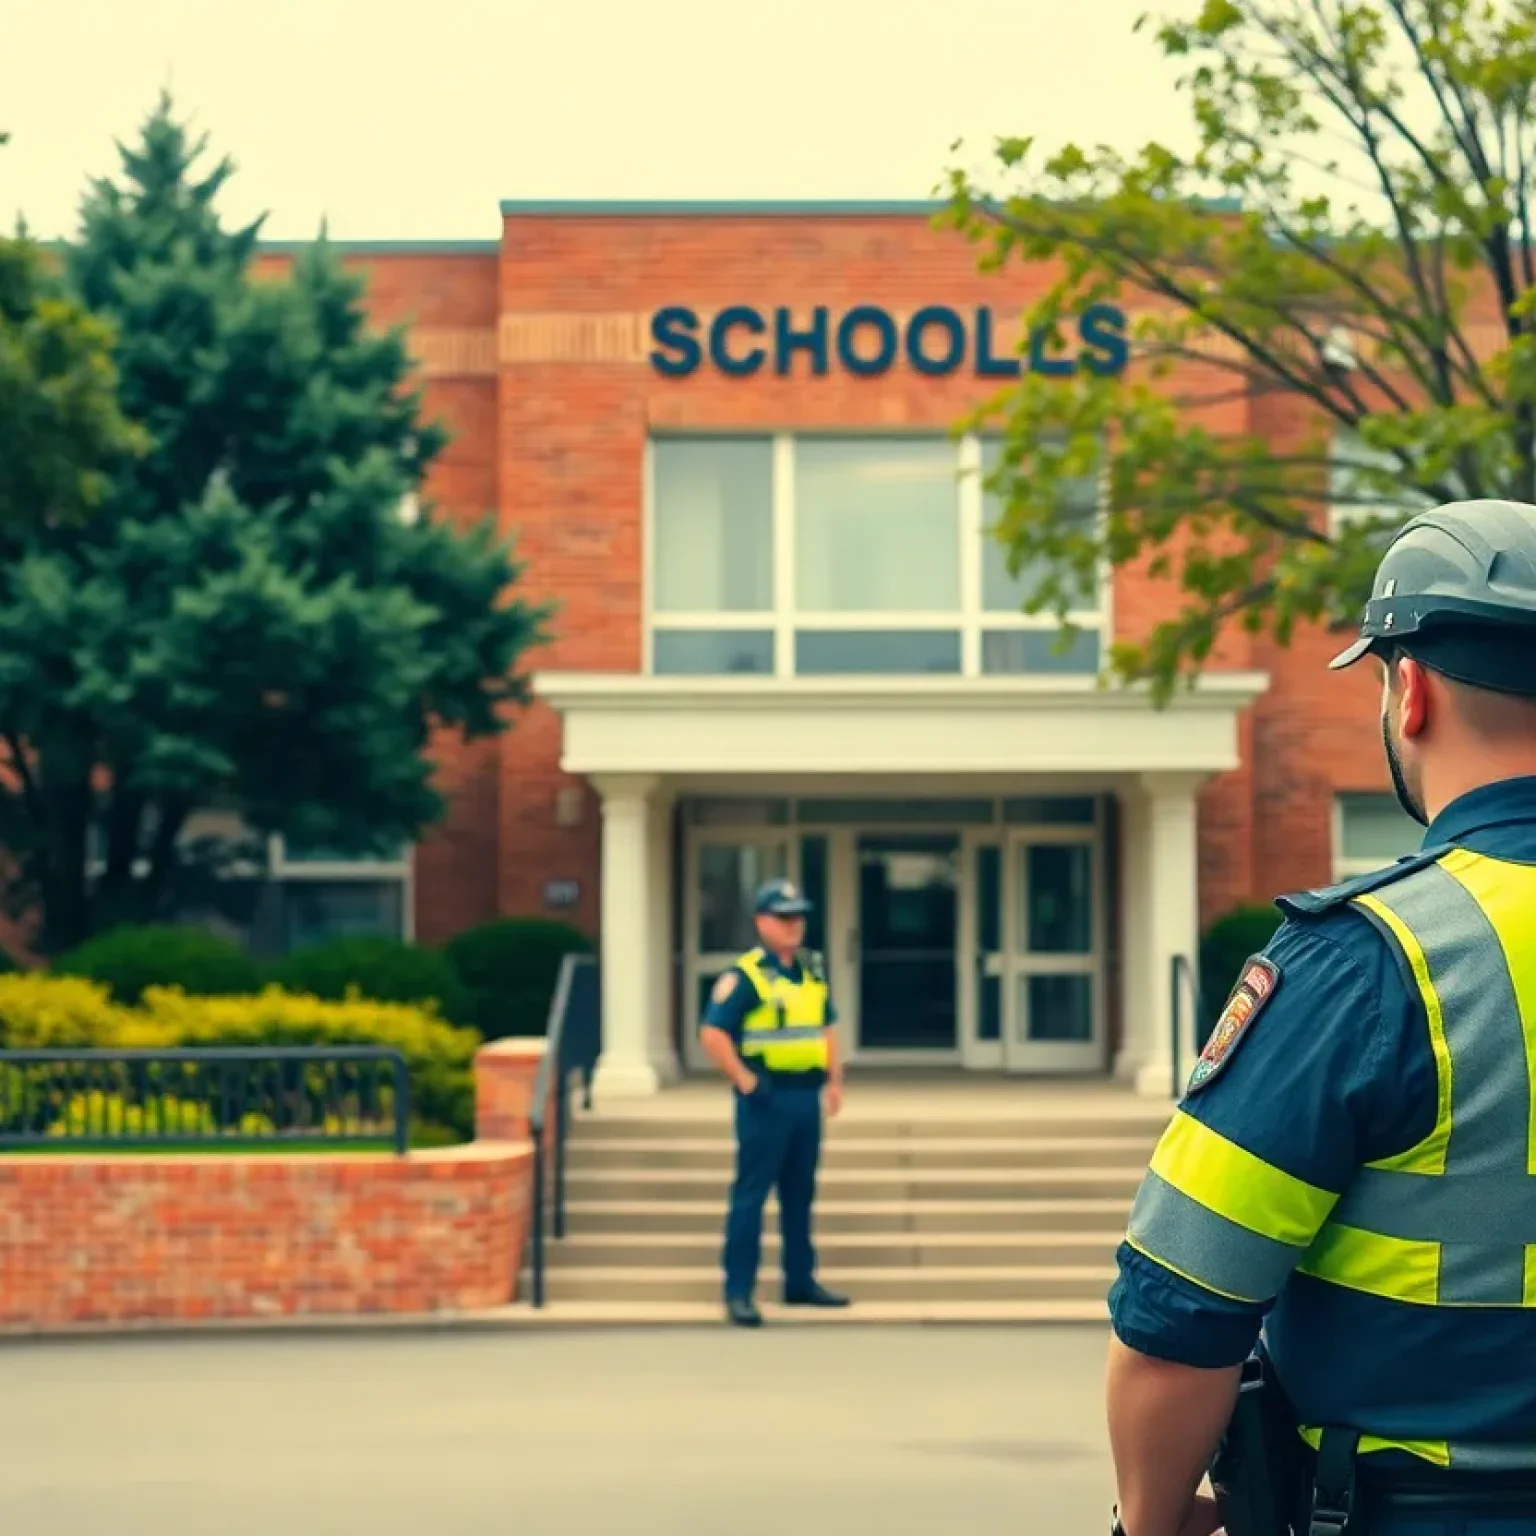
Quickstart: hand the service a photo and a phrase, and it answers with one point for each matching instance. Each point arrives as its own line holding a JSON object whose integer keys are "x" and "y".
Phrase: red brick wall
{"x": 1314, "y": 732}
{"x": 557, "y": 447}
{"x": 138, "y": 1239}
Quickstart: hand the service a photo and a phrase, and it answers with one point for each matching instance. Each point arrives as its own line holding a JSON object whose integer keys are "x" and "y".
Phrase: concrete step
{"x": 1145, "y": 1124}
{"x": 642, "y": 1284}
{"x": 718, "y": 1153}
{"x": 583, "y": 1186}
{"x": 972, "y": 1217}
{"x": 862, "y": 1250}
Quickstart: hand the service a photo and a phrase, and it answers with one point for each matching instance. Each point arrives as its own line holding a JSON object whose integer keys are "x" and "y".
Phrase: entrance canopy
{"x": 1016, "y": 793}
{"x": 625, "y": 723}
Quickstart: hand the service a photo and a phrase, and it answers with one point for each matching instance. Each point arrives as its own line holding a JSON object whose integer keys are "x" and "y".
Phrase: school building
{"x": 785, "y": 644}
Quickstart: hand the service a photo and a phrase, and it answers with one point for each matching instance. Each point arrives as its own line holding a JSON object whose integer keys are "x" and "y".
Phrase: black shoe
{"x": 741, "y": 1312}
{"x": 815, "y": 1295}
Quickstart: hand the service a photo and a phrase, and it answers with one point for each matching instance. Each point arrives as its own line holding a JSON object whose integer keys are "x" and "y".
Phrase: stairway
{"x": 928, "y": 1209}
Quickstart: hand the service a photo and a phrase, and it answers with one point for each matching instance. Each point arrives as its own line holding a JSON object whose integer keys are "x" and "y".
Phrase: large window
{"x": 832, "y": 555}
{"x": 1369, "y": 832}
{"x": 273, "y": 897}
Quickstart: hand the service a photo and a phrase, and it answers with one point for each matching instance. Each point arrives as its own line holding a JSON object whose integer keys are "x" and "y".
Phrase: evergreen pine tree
{"x": 247, "y": 621}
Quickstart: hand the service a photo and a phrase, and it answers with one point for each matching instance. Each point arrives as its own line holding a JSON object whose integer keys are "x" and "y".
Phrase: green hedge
{"x": 384, "y": 970}
{"x": 510, "y": 969}
{"x": 129, "y": 960}
{"x": 1228, "y": 942}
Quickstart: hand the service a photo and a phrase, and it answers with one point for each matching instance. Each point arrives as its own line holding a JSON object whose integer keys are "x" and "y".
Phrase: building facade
{"x": 724, "y": 439}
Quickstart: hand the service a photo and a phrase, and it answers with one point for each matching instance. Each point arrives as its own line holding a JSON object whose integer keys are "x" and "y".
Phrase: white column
{"x": 1172, "y": 924}
{"x": 663, "y": 1050}
{"x": 625, "y": 1069}
{"x": 1136, "y": 1022}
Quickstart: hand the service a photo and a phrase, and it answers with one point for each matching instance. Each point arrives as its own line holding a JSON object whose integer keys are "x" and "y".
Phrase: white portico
{"x": 1001, "y": 864}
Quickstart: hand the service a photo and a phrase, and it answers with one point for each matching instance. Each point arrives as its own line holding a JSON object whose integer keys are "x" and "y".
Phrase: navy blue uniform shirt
{"x": 728, "y": 1015}
{"x": 1338, "y": 1072}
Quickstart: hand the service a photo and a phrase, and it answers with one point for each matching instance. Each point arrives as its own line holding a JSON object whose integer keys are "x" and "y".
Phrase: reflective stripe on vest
{"x": 787, "y": 1030}
{"x": 1214, "y": 1213}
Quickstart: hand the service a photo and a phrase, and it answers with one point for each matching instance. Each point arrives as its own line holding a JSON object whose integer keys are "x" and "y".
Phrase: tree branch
{"x": 1159, "y": 281}
{"x": 1331, "y": 76}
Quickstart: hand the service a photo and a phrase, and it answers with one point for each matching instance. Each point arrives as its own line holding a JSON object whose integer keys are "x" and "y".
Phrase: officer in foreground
{"x": 1354, "y": 1161}
{"x": 768, "y": 1027}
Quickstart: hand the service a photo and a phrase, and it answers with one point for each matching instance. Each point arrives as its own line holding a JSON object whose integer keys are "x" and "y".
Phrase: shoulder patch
{"x": 1255, "y": 987}
{"x": 1330, "y": 897}
{"x": 723, "y": 988}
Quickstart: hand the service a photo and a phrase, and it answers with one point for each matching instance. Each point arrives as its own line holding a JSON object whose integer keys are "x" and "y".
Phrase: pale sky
{"x": 412, "y": 121}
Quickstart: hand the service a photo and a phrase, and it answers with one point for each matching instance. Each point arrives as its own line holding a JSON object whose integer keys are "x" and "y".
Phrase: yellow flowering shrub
{"x": 59, "y": 1012}
{"x": 440, "y": 1056}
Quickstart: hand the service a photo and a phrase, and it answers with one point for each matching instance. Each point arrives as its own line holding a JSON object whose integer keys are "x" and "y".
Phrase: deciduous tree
{"x": 1352, "y": 229}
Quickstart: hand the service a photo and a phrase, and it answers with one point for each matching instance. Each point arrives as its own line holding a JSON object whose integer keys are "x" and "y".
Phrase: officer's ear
{"x": 1407, "y": 687}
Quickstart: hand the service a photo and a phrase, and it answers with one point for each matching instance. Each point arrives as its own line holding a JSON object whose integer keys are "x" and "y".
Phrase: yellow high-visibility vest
{"x": 1448, "y": 1224}
{"x": 786, "y": 1029}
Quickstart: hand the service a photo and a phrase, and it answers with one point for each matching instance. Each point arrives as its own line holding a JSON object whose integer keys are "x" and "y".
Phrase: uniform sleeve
{"x": 728, "y": 1012}
{"x": 1329, "y": 1073}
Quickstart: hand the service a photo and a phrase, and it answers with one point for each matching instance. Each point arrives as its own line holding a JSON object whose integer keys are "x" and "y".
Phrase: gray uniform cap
{"x": 1456, "y": 589}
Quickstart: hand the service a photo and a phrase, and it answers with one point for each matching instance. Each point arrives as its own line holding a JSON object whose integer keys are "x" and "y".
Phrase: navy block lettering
{"x": 867, "y": 315}
{"x": 675, "y": 332}
{"x": 788, "y": 341}
{"x": 729, "y": 318}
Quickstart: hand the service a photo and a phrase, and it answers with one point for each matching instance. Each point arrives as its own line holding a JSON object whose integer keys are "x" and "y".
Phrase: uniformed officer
{"x": 768, "y": 1027}
{"x": 1353, "y": 1165}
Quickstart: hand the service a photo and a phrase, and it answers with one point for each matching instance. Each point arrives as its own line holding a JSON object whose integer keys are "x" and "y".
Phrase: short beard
{"x": 1405, "y": 796}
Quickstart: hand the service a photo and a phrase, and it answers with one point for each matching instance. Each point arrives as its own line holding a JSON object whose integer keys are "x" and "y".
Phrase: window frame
{"x": 280, "y": 870}
{"x": 1346, "y": 866}
{"x": 401, "y": 872}
{"x": 971, "y": 620}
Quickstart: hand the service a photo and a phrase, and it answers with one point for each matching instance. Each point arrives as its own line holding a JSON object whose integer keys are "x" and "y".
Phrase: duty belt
{"x": 1349, "y": 1490}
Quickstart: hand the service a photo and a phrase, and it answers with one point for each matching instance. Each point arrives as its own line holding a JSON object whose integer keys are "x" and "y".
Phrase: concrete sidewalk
{"x": 819, "y": 1432}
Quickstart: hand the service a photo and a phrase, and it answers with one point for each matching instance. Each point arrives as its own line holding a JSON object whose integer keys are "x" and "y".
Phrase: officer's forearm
{"x": 721, "y": 1050}
{"x": 1165, "y": 1421}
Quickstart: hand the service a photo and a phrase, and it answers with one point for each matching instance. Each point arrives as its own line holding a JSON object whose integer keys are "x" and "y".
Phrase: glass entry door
{"x": 908, "y": 893}
{"x": 1037, "y": 955}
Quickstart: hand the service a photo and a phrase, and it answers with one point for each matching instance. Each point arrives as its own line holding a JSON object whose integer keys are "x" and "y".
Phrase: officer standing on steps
{"x": 1353, "y": 1165}
{"x": 768, "y": 1027}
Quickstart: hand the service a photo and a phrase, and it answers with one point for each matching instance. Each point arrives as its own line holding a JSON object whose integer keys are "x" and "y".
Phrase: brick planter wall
{"x": 142, "y": 1239}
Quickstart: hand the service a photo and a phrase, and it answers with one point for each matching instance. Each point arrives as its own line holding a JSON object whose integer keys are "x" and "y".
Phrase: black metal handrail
{"x": 206, "y": 1095}
{"x": 573, "y": 1042}
{"x": 1183, "y": 981}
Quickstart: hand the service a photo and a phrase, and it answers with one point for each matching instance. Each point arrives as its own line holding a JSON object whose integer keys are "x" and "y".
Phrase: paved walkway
{"x": 790, "y": 1432}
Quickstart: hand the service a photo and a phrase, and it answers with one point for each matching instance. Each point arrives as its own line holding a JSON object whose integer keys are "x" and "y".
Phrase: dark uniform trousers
{"x": 778, "y": 1143}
